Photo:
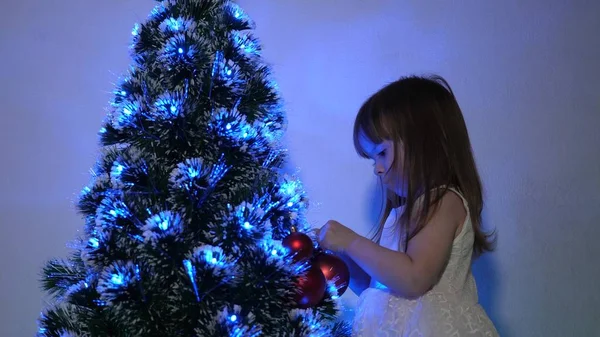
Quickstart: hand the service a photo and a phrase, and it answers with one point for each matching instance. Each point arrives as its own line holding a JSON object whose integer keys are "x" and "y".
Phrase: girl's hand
{"x": 335, "y": 236}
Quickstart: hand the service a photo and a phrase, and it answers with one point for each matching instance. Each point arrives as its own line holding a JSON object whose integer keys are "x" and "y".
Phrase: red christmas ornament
{"x": 300, "y": 245}
{"x": 311, "y": 288}
{"x": 334, "y": 269}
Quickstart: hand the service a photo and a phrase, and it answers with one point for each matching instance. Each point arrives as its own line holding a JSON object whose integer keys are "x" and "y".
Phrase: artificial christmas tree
{"x": 188, "y": 206}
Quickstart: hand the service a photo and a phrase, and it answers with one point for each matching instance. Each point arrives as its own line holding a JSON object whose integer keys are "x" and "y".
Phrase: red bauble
{"x": 300, "y": 245}
{"x": 334, "y": 269}
{"x": 311, "y": 288}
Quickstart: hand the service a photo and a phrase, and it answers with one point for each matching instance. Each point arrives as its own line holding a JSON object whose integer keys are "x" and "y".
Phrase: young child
{"x": 414, "y": 278}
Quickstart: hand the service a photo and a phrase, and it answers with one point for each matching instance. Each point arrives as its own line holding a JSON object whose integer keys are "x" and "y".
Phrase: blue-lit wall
{"x": 525, "y": 72}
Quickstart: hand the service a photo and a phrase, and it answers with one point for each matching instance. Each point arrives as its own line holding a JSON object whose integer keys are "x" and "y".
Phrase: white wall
{"x": 525, "y": 74}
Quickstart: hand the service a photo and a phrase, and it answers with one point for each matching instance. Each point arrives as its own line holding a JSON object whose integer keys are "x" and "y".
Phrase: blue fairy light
{"x": 226, "y": 68}
{"x": 136, "y": 30}
{"x": 277, "y": 252}
{"x": 236, "y": 11}
{"x": 99, "y": 303}
{"x": 245, "y": 43}
{"x": 218, "y": 171}
{"x": 117, "y": 169}
{"x": 157, "y": 10}
{"x": 333, "y": 290}
{"x": 169, "y": 105}
{"x": 289, "y": 188}
{"x": 165, "y": 221}
{"x": 125, "y": 113}
{"x": 114, "y": 280}
{"x": 209, "y": 257}
{"x": 117, "y": 279}
{"x": 86, "y": 190}
{"x": 137, "y": 273}
{"x": 178, "y": 49}
{"x": 245, "y": 131}
{"x": 233, "y": 318}
{"x": 191, "y": 271}
{"x": 174, "y": 24}
{"x": 212, "y": 256}
{"x": 269, "y": 135}
{"x": 193, "y": 172}
{"x": 217, "y": 62}
{"x": 102, "y": 130}
{"x": 228, "y": 72}
{"x": 247, "y": 225}
{"x": 249, "y": 47}
{"x": 228, "y": 122}
{"x": 273, "y": 154}
{"x": 94, "y": 242}
{"x": 164, "y": 225}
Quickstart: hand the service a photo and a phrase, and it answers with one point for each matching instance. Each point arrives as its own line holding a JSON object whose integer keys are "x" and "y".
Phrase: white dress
{"x": 450, "y": 308}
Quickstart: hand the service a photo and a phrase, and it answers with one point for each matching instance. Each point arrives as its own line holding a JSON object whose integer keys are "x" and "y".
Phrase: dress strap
{"x": 457, "y": 192}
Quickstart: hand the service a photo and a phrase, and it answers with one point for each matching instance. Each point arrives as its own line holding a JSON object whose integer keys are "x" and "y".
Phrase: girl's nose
{"x": 378, "y": 170}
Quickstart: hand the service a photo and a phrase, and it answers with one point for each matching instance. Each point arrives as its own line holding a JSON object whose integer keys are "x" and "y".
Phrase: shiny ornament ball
{"x": 311, "y": 288}
{"x": 299, "y": 245}
{"x": 334, "y": 269}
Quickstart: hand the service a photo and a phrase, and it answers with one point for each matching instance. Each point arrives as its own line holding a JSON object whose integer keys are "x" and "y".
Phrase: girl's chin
{"x": 396, "y": 191}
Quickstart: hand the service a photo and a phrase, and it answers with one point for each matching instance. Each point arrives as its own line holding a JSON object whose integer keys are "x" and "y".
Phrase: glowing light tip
{"x": 94, "y": 242}
{"x": 116, "y": 279}
{"x": 163, "y": 225}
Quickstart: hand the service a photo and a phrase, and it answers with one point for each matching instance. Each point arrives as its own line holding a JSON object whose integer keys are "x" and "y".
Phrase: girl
{"x": 414, "y": 278}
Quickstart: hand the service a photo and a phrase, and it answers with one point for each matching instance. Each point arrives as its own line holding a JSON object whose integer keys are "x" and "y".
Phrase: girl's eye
{"x": 381, "y": 154}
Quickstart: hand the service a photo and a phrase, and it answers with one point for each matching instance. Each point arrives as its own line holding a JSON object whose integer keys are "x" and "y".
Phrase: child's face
{"x": 383, "y": 155}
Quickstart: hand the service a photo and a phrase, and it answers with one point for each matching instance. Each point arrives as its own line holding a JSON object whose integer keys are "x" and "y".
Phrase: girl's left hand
{"x": 335, "y": 236}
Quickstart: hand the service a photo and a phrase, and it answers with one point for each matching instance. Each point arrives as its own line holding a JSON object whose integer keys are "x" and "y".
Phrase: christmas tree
{"x": 191, "y": 226}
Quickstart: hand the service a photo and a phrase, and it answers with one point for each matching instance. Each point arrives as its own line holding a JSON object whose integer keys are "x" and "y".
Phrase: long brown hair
{"x": 421, "y": 116}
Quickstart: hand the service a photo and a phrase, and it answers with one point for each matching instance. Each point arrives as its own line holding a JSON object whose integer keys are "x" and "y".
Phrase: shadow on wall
{"x": 485, "y": 271}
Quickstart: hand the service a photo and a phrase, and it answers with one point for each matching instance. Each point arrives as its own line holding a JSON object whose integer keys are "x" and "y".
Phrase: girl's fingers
{"x": 317, "y": 232}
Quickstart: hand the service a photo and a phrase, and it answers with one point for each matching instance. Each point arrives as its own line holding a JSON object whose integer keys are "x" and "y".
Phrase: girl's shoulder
{"x": 452, "y": 207}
